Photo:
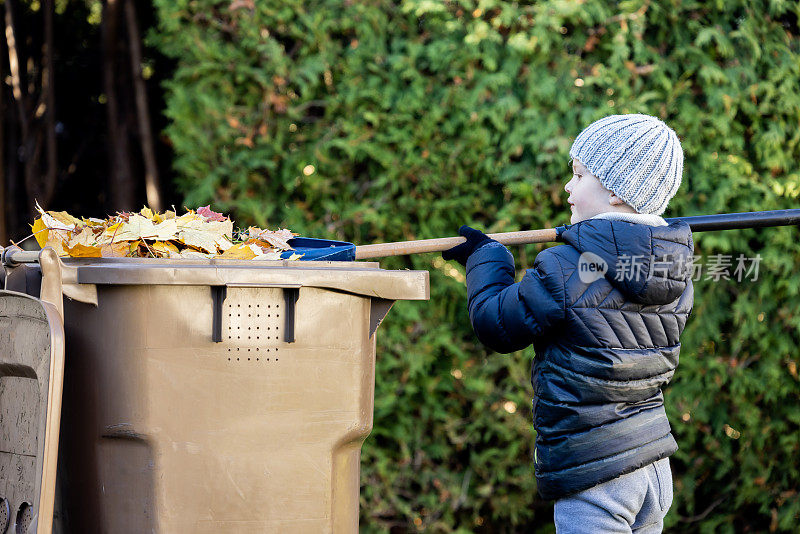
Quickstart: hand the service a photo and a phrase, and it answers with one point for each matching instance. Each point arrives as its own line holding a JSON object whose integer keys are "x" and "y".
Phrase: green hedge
{"x": 383, "y": 121}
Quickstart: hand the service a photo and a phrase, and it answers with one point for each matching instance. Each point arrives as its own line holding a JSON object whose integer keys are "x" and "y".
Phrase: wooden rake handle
{"x": 698, "y": 223}
{"x": 401, "y": 248}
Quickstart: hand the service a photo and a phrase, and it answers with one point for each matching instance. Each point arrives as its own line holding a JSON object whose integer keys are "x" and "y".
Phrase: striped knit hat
{"x": 637, "y": 157}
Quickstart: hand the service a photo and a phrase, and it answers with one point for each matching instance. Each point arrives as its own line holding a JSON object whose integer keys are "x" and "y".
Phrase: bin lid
{"x": 31, "y": 380}
{"x": 361, "y": 278}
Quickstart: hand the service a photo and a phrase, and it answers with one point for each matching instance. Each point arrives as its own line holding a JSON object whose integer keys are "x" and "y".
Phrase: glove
{"x": 475, "y": 240}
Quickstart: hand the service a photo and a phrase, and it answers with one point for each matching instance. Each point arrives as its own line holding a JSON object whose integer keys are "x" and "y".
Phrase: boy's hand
{"x": 475, "y": 240}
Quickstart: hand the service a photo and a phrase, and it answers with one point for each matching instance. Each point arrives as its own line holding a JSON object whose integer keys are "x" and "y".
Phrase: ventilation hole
{"x": 24, "y": 518}
{"x": 248, "y": 359}
{"x": 5, "y": 514}
{"x": 257, "y": 359}
{"x": 237, "y": 359}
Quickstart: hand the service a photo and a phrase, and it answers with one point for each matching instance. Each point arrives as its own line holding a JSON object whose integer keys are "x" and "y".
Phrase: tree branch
{"x": 122, "y": 191}
{"x": 151, "y": 179}
{"x": 49, "y": 99}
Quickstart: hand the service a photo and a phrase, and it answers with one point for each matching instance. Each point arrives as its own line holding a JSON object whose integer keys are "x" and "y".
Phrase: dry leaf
{"x": 163, "y": 249}
{"x": 148, "y": 213}
{"x": 166, "y": 230}
{"x": 199, "y": 239}
{"x": 40, "y": 232}
{"x": 65, "y": 218}
{"x": 137, "y": 227}
{"x": 238, "y": 252}
{"x": 206, "y": 212}
{"x": 201, "y": 234}
{"x": 85, "y": 237}
{"x": 83, "y": 251}
{"x": 115, "y": 250}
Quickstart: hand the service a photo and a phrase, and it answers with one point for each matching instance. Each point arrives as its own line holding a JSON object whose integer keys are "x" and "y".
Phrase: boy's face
{"x": 587, "y": 196}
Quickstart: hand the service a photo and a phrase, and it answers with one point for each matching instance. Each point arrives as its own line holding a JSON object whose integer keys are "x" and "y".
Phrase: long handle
{"x": 698, "y": 223}
{"x": 401, "y": 248}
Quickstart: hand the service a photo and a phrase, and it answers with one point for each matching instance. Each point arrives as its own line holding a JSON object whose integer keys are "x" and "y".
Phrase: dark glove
{"x": 475, "y": 240}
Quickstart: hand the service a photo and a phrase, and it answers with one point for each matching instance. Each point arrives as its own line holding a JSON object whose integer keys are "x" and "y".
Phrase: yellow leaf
{"x": 187, "y": 218}
{"x": 163, "y": 249}
{"x": 56, "y": 240}
{"x": 83, "y": 251}
{"x": 266, "y": 256}
{"x": 166, "y": 230}
{"x": 65, "y": 218}
{"x": 147, "y": 212}
{"x": 115, "y": 250}
{"x": 238, "y": 252}
{"x": 84, "y": 237}
{"x": 137, "y": 227}
{"x": 204, "y": 241}
{"x": 40, "y": 232}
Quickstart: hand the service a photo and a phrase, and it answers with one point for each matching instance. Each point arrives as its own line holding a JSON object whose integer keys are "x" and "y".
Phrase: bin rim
{"x": 361, "y": 278}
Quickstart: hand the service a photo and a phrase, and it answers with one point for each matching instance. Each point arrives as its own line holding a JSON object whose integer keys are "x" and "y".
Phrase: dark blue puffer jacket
{"x": 604, "y": 348}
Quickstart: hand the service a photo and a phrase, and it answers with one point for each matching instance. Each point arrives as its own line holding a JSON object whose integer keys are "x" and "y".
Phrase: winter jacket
{"x": 605, "y": 342}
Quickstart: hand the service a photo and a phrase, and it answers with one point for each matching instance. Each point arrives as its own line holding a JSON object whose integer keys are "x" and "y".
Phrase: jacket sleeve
{"x": 505, "y": 315}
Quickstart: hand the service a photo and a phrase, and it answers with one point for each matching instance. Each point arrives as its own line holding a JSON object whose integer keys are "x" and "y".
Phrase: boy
{"x": 604, "y": 314}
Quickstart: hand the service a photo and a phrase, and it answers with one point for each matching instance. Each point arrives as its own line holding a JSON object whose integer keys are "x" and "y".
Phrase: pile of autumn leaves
{"x": 195, "y": 234}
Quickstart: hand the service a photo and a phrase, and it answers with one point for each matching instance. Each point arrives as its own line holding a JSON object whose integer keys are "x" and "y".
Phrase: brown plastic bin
{"x": 211, "y": 396}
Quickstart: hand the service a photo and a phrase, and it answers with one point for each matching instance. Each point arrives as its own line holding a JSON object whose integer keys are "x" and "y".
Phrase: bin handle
{"x": 291, "y": 292}
{"x": 52, "y": 284}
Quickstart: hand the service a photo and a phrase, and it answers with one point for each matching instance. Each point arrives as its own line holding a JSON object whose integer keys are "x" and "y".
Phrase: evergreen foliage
{"x": 386, "y": 121}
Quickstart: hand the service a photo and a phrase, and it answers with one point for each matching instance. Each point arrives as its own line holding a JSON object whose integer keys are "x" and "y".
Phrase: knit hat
{"x": 637, "y": 157}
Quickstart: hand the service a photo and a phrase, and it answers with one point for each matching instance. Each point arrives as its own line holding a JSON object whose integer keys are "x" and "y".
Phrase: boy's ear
{"x": 614, "y": 200}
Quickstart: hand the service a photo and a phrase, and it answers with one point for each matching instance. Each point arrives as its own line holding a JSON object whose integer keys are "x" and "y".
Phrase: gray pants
{"x": 636, "y": 502}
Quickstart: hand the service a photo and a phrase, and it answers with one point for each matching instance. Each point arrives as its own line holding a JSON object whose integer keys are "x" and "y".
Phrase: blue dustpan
{"x": 321, "y": 249}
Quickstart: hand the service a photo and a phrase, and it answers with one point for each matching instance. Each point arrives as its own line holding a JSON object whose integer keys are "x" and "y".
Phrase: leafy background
{"x": 386, "y": 121}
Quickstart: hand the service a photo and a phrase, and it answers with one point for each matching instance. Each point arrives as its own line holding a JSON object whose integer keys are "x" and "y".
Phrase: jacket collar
{"x": 641, "y": 218}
